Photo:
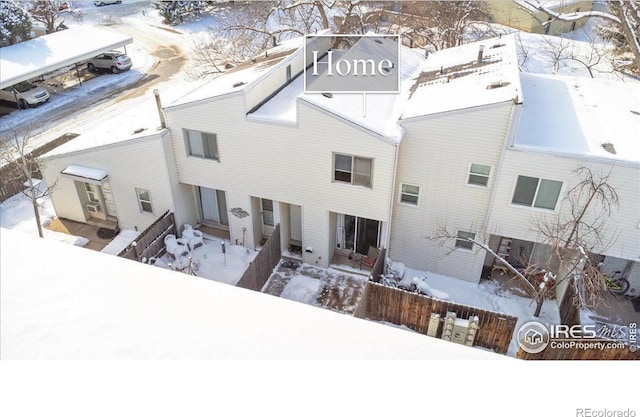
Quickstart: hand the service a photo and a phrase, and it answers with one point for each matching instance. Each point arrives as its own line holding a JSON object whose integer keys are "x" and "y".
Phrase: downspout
{"x": 393, "y": 196}
{"x": 508, "y": 142}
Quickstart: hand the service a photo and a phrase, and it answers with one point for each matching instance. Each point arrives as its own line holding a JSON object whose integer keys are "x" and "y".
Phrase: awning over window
{"x": 85, "y": 174}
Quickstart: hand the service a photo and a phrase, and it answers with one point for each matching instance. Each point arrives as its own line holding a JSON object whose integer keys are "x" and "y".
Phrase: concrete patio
{"x": 80, "y": 229}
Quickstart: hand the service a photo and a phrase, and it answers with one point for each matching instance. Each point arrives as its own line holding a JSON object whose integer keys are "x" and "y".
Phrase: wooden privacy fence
{"x": 150, "y": 243}
{"x": 393, "y": 305}
{"x": 569, "y": 313}
{"x": 12, "y": 178}
{"x": 261, "y": 267}
{"x": 378, "y": 267}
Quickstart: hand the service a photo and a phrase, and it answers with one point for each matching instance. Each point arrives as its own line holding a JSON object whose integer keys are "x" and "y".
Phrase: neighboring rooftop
{"x": 580, "y": 116}
{"x": 471, "y": 75}
{"x": 35, "y": 57}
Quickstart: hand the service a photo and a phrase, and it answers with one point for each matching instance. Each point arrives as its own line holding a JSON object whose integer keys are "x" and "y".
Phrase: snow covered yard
{"x": 209, "y": 262}
{"x": 327, "y": 288}
{"x": 17, "y": 213}
{"x": 488, "y": 295}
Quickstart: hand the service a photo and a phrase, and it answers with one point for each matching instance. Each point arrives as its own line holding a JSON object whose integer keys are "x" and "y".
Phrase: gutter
{"x": 393, "y": 197}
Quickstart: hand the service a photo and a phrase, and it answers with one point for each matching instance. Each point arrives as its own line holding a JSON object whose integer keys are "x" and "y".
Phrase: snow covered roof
{"x": 463, "y": 83}
{"x": 103, "y": 307}
{"x": 32, "y": 58}
{"x": 80, "y": 171}
{"x": 457, "y": 78}
{"x": 242, "y": 76}
{"x": 134, "y": 123}
{"x": 533, "y": 5}
{"x": 580, "y": 116}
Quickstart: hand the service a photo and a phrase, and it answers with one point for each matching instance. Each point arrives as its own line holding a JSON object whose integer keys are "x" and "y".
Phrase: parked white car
{"x": 25, "y": 94}
{"x": 103, "y": 2}
{"x": 113, "y": 61}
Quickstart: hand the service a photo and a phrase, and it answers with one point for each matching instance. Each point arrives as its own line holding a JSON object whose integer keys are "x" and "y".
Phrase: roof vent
{"x": 608, "y": 146}
{"x": 327, "y": 95}
{"x": 138, "y": 130}
{"x": 497, "y": 84}
{"x": 378, "y": 41}
{"x": 239, "y": 84}
{"x": 498, "y": 45}
{"x": 480, "y": 53}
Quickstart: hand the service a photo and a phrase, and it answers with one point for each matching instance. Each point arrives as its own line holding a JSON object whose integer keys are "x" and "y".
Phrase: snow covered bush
{"x": 15, "y": 25}
{"x": 175, "y": 12}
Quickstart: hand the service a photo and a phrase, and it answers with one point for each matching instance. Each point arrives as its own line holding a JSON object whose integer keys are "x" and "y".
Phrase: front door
{"x": 266, "y": 207}
{"x": 213, "y": 205}
{"x": 295, "y": 216}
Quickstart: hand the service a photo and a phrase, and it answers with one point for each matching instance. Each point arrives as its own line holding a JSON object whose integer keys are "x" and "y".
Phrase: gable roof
{"x": 446, "y": 80}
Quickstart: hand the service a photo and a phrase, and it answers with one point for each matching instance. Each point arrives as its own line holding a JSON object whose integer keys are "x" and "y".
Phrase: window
{"x": 464, "y": 244}
{"x": 92, "y": 193}
{"x": 534, "y": 192}
{"x": 144, "y": 200}
{"x": 352, "y": 169}
{"x": 203, "y": 145}
{"x": 479, "y": 175}
{"x": 267, "y": 212}
{"x": 409, "y": 194}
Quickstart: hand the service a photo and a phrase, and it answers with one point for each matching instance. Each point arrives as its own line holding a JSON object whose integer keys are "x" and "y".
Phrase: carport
{"x": 37, "y": 57}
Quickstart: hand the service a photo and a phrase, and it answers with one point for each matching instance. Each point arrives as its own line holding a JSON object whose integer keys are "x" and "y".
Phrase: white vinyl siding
{"x": 352, "y": 169}
{"x": 441, "y": 166}
{"x": 139, "y": 163}
{"x": 201, "y": 144}
{"x": 409, "y": 194}
{"x": 479, "y": 175}
{"x": 293, "y": 164}
{"x": 144, "y": 200}
{"x": 535, "y": 192}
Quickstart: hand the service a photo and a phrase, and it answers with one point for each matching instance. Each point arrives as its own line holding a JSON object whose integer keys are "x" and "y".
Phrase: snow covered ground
{"x": 208, "y": 261}
{"x": 17, "y": 213}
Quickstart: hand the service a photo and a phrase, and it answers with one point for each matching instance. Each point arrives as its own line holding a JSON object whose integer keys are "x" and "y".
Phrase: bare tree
{"x": 558, "y": 50}
{"x": 251, "y": 27}
{"x": 438, "y": 24}
{"x": 571, "y": 238}
{"x": 50, "y": 13}
{"x": 596, "y": 54}
{"x": 624, "y": 15}
{"x": 19, "y": 164}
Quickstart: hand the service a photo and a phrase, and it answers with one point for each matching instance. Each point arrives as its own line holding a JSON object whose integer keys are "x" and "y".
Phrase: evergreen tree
{"x": 175, "y": 12}
{"x": 15, "y": 24}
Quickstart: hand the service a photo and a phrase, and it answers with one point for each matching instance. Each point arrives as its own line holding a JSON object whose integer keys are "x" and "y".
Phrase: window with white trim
{"x": 462, "y": 242}
{"x": 352, "y": 169}
{"x": 536, "y": 192}
{"x": 409, "y": 194}
{"x": 144, "y": 200}
{"x": 201, "y": 144}
{"x": 479, "y": 175}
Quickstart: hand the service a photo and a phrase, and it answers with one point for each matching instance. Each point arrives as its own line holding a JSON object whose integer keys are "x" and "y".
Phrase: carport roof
{"x": 35, "y": 57}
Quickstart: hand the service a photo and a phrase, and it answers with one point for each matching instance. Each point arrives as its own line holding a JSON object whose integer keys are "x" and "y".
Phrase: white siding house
{"x": 326, "y": 176}
{"x": 343, "y": 173}
{"x": 134, "y": 188}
